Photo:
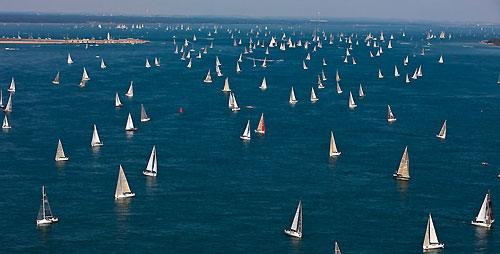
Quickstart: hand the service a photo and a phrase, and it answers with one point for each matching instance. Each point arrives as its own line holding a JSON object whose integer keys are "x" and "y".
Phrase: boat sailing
{"x": 431, "y": 240}
{"x": 246, "y": 132}
{"x": 261, "y": 129}
{"x": 296, "y": 228}
{"x": 45, "y": 215}
{"x": 333, "y": 147}
{"x": 96, "y": 141}
{"x": 122, "y": 187}
{"x": 485, "y": 216}
{"x": 442, "y": 133}
{"x": 60, "y": 156}
{"x": 130, "y": 124}
{"x": 404, "y": 168}
{"x": 144, "y": 116}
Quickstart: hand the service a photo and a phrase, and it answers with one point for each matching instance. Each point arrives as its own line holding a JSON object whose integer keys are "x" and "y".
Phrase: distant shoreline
{"x": 492, "y": 42}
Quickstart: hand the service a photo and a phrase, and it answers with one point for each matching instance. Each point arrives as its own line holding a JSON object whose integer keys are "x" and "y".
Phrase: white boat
{"x": 396, "y": 73}
{"x": 419, "y": 72}
{"x": 5, "y": 123}
{"x": 197, "y": 57}
{"x": 235, "y": 104}
{"x": 337, "y": 249}
{"x": 12, "y": 87}
{"x": 442, "y": 132}
{"x": 147, "y": 64}
{"x": 85, "y": 76}
{"x": 226, "y": 86}
{"x": 246, "y": 132}
{"x": 217, "y": 62}
{"x": 390, "y": 115}
{"x": 323, "y": 76}
{"x": 292, "y": 99}
{"x": 389, "y": 46}
{"x": 337, "y": 76}
{"x": 347, "y": 52}
{"x": 324, "y": 62}
{"x": 333, "y": 147}
{"x": 217, "y": 70}
{"x": 320, "y": 83}
{"x": 415, "y": 76}
{"x": 70, "y": 61}
{"x": 130, "y": 92}
{"x": 56, "y": 79}
{"x": 103, "y": 66}
{"x": 352, "y": 104}
{"x": 189, "y": 64}
{"x": 485, "y": 216}
{"x": 313, "y": 95}
{"x": 361, "y": 92}
{"x": 339, "y": 90}
{"x": 263, "y": 85}
{"x": 122, "y": 187}
{"x": 407, "y": 79}
{"x": 130, "y": 124}
{"x": 240, "y": 59}
{"x": 498, "y": 82}
{"x": 96, "y": 141}
{"x": 353, "y": 61}
{"x": 60, "y": 156}
{"x": 118, "y": 103}
{"x": 208, "y": 78}
{"x": 238, "y": 70}
{"x": 264, "y": 63}
{"x": 371, "y": 54}
{"x": 431, "y": 240}
{"x": 261, "y": 129}
{"x": 45, "y": 215}
{"x": 405, "y": 61}
{"x": 157, "y": 62}
{"x": 304, "y": 66}
{"x": 1, "y": 99}
{"x": 404, "y": 168}
{"x": 144, "y": 116}
{"x": 152, "y": 167}
{"x": 441, "y": 59}
{"x": 345, "y": 60}
{"x": 296, "y": 228}
{"x": 308, "y": 57}
{"x": 8, "y": 107}
{"x": 380, "y": 74}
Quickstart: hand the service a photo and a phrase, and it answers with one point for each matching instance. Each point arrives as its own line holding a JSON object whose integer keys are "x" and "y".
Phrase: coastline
{"x": 131, "y": 41}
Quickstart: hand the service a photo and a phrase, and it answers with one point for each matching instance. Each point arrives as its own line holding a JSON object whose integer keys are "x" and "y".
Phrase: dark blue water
{"x": 217, "y": 194}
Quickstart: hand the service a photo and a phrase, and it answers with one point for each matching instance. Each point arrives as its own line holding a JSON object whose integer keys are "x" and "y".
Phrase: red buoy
{"x": 180, "y": 110}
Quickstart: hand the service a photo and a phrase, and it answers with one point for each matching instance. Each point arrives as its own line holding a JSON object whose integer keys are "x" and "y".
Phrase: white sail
{"x": 56, "y": 80}
{"x": 130, "y": 92}
{"x": 339, "y": 90}
{"x": 235, "y": 104}
{"x": 263, "y": 85}
{"x": 304, "y": 66}
{"x": 440, "y": 59}
{"x": 118, "y": 103}
{"x": 295, "y": 222}
{"x": 389, "y": 46}
{"x": 240, "y": 58}
{"x": 419, "y": 72}
{"x": 246, "y": 132}
{"x": 333, "y": 146}
{"x": 396, "y": 73}
{"x": 264, "y": 63}
{"x": 103, "y": 66}
{"x": 390, "y": 115}
{"x": 337, "y": 248}
{"x": 313, "y": 95}
{"x": 208, "y": 78}
{"x": 404, "y": 167}
{"x": 407, "y": 79}
{"x": 261, "y": 127}
{"x": 60, "y": 156}
{"x": 324, "y": 62}
{"x": 380, "y": 74}
{"x": 144, "y": 116}
{"x": 96, "y": 141}
{"x": 226, "y": 86}
{"x": 296, "y": 227}
{"x": 70, "y": 61}
{"x": 130, "y": 124}
{"x": 405, "y": 61}
{"x": 238, "y": 70}
{"x": 337, "y": 76}
{"x": 45, "y": 215}
{"x": 122, "y": 187}
{"x": 361, "y": 92}
{"x": 430, "y": 240}
{"x": 352, "y": 104}
{"x": 323, "y": 76}
{"x": 85, "y": 76}
{"x": 8, "y": 107}
{"x": 189, "y": 64}
{"x": 292, "y": 99}
{"x": 5, "y": 123}
{"x": 442, "y": 132}
{"x": 231, "y": 101}
{"x": 147, "y": 64}
{"x": 12, "y": 87}
{"x": 415, "y": 76}
{"x": 152, "y": 167}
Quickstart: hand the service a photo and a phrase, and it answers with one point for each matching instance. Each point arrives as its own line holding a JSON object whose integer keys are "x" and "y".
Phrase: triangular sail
{"x": 144, "y": 116}
{"x": 246, "y": 132}
{"x": 361, "y": 92}
{"x": 70, "y": 61}
{"x": 95, "y": 137}
{"x": 485, "y": 214}
{"x": 296, "y": 218}
{"x": 8, "y": 107}
{"x": 130, "y": 92}
{"x": 118, "y": 103}
{"x": 130, "y": 123}
{"x": 56, "y": 79}
{"x": 44, "y": 212}
{"x": 352, "y": 104}
{"x": 396, "y": 73}
{"x": 60, "y": 151}
{"x": 333, "y": 146}
{"x": 292, "y": 96}
{"x": 226, "y": 86}
{"x": 152, "y": 164}
{"x": 12, "y": 87}
{"x": 85, "y": 76}
{"x": 313, "y": 95}
{"x": 390, "y": 115}
{"x": 103, "y": 66}
{"x": 403, "y": 169}
{"x": 442, "y": 133}
{"x": 122, "y": 184}
{"x": 261, "y": 127}
{"x": 263, "y": 86}
{"x": 5, "y": 123}
{"x": 337, "y": 249}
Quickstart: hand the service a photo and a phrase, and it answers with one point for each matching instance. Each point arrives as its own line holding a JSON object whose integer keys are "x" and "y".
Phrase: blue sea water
{"x": 217, "y": 194}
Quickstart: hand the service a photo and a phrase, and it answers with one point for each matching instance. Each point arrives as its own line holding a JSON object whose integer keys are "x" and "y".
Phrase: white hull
{"x": 352, "y": 106}
{"x": 433, "y": 246}
{"x": 63, "y": 159}
{"x": 440, "y": 137}
{"x": 482, "y": 224}
{"x": 335, "y": 154}
{"x": 145, "y": 120}
{"x": 260, "y": 132}
{"x": 244, "y": 138}
{"x": 235, "y": 109}
{"x": 149, "y": 173}
{"x": 97, "y": 144}
{"x": 399, "y": 177}
{"x": 125, "y": 195}
{"x": 391, "y": 120}
{"x": 46, "y": 221}
{"x": 293, "y": 233}
{"x": 293, "y": 102}
{"x": 6, "y": 127}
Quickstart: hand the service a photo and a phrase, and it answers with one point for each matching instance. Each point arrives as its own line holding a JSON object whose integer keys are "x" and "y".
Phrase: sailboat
{"x": 313, "y": 95}
{"x": 431, "y": 240}
{"x": 419, "y": 72}
{"x": 352, "y": 104}
{"x": 337, "y": 249}
{"x": 440, "y": 59}
{"x": 390, "y": 115}
{"x": 361, "y": 92}
{"x": 96, "y": 141}
{"x": 12, "y": 87}
{"x": 130, "y": 92}
{"x": 485, "y": 216}
{"x": 323, "y": 76}
{"x": 70, "y": 61}
{"x": 337, "y": 76}
{"x": 238, "y": 70}
{"x": 353, "y": 61}
{"x": 261, "y": 129}
{"x": 333, "y": 147}
{"x": 320, "y": 83}
{"x": 85, "y": 76}
{"x": 246, "y": 132}
{"x": 396, "y": 73}
{"x": 45, "y": 215}
{"x": 189, "y": 64}
{"x": 345, "y": 60}
{"x": 292, "y": 99}
{"x": 263, "y": 85}
{"x": 339, "y": 90}
{"x": 304, "y": 66}
{"x": 442, "y": 133}
{"x": 122, "y": 187}
{"x": 56, "y": 79}
{"x": 8, "y": 107}
{"x": 371, "y": 54}
{"x": 264, "y": 63}
{"x": 152, "y": 167}
{"x": 144, "y": 116}
{"x": 226, "y": 86}
{"x": 60, "y": 156}
{"x": 415, "y": 76}
{"x": 208, "y": 78}
{"x": 407, "y": 79}
{"x": 5, "y": 124}
{"x": 147, "y": 63}
{"x": 404, "y": 168}
{"x": 130, "y": 124}
{"x": 233, "y": 105}
{"x": 103, "y": 66}
{"x": 118, "y": 103}
{"x": 324, "y": 62}
{"x": 296, "y": 228}
{"x": 405, "y": 61}
{"x": 157, "y": 61}
{"x": 380, "y": 74}
{"x": 240, "y": 58}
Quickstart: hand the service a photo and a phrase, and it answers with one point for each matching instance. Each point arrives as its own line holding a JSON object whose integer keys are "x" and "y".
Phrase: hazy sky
{"x": 432, "y": 10}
